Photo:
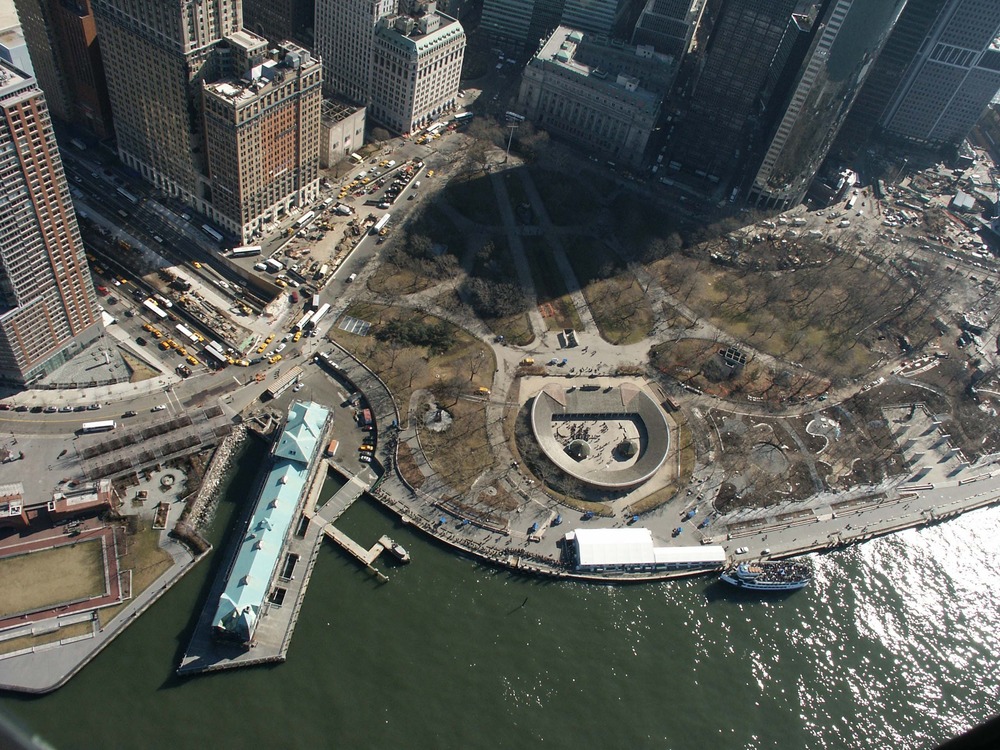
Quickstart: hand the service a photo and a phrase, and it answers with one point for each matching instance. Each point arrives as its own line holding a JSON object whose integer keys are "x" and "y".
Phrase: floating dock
{"x": 365, "y": 556}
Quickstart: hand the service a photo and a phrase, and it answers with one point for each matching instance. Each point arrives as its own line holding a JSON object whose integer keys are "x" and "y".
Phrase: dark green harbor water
{"x": 894, "y": 646}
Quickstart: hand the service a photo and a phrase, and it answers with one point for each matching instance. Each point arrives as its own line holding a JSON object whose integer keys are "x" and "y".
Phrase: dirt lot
{"x": 50, "y": 577}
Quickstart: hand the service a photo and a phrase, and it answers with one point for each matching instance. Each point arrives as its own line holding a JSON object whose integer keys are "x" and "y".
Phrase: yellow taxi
{"x": 297, "y": 336}
{"x": 182, "y": 351}
{"x": 430, "y": 172}
{"x": 276, "y": 358}
{"x": 269, "y": 339}
{"x": 192, "y": 360}
{"x": 156, "y": 334}
{"x": 261, "y": 348}
{"x": 147, "y": 327}
{"x": 196, "y": 264}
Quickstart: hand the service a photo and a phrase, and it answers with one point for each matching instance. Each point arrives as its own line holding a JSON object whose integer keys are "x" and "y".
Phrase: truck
{"x": 274, "y": 266}
{"x": 798, "y": 221}
{"x": 365, "y": 419}
{"x": 381, "y": 223}
{"x": 317, "y": 316}
{"x": 321, "y": 272}
{"x": 343, "y": 209}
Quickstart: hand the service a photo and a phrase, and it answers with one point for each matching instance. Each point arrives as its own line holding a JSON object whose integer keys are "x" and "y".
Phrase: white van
{"x": 351, "y": 278}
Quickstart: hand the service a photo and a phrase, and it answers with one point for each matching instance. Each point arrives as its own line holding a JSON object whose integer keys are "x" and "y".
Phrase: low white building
{"x": 633, "y": 549}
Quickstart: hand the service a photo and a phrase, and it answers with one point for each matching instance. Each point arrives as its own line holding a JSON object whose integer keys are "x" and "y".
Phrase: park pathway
{"x": 538, "y": 326}
{"x": 558, "y": 252}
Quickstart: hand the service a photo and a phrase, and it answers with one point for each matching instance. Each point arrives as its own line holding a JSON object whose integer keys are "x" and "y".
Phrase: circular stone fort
{"x": 613, "y": 438}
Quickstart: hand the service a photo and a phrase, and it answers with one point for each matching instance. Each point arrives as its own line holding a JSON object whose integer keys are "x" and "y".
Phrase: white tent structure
{"x": 633, "y": 549}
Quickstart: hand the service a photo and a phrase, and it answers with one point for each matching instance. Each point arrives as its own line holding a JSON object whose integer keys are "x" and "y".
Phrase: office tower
{"x": 66, "y": 56}
{"x": 49, "y": 311}
{"x": 517, "y": 26}
{"x": 748, "y": 44}
{"x": 668, "y": 25}
{"x": 402, "y": 62}
{"x": 847, "y": 38}
{"x": 953, "y": 77}
{"x": 417, "y": 69}
{"x": 278, "y": 20}
{"x": 913, "y": 26}
{"x": 606, "y": 111}
{"x": 262, "y": 133}
{"x": 592, "y": 16}
{"x": 156, "y": 56}
{"x": 345, "y": 40}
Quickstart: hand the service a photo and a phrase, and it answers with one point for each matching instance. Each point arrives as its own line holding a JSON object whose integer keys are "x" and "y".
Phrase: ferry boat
{"x": 399, "y": 552}
{"x": 778, "y": 575}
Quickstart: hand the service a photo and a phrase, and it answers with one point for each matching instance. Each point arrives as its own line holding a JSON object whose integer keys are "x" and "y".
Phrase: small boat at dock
{"x": 397, "y": 550}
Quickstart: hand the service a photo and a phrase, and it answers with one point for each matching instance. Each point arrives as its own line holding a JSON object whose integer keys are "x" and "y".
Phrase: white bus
{"x": 127, "y": 195}
{"x": 304, "y": 220}
{"x": 211, "y": 232}
{"x": 154, "y": 308}
{"x": 188, "y": 334}
{"x": 303, "y": 322}
{"x": 246, "y": 251}
{"x": 463, "y": 117}
{"x": 107, "y": 424}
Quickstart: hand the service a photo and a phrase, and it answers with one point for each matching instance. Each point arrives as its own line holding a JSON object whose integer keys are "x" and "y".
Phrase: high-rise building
{"x": 913, "y": 26}
{"x": 417, "y": 69}
{"x": 518, "y": 26}
{"x": 846, "y": 40}
{"x": 749, "y": 42}
{"x": 207, "y": 113}
{"x": 345, "y": 40}
{"x": 278, "y": 20}
{"x": 48, "y": 310}
{"x": 668, "y": 25}
{"x": 262, "y": 133}
{"x": 605, "y": 110}
{"x": 66, "y": 57}
{"x": 403, "y": 61}
{"x": 953, "y": 77}
{"x": 593, "y": 16}
{"x": 156, "y": 55}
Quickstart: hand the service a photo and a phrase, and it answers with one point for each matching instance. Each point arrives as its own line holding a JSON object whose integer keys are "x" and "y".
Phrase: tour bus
{"x": 211, "y": 232}
{"x": 304, "y": 220}
{"x": 303, "y": 322}
{"x": 246, "y": 251}
{"x": 104, "y": 426}
{"x": 154, "y": 308}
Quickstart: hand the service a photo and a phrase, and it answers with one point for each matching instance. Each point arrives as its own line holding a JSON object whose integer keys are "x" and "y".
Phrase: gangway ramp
{"x": 365, "y": 556}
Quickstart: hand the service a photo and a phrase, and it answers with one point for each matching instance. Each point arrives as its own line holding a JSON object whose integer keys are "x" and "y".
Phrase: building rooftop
{"x": 560, "y": 49}
{"x": 258, "y": 555}
{"x": 11, "y": 77}
{"x": 420, "y": 30}
{"x": 257, "y": 80}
